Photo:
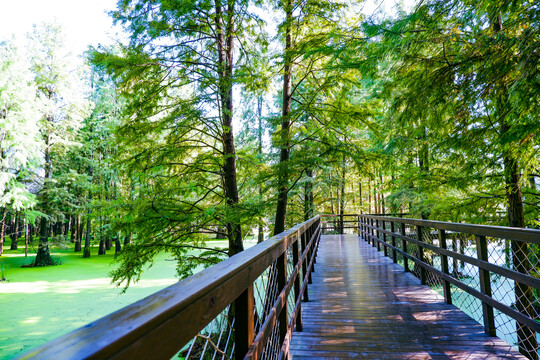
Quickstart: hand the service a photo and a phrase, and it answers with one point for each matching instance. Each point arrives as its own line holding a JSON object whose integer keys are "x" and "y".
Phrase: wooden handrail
{"x": 159, "y": 325}
{"x": 504, "y": 232}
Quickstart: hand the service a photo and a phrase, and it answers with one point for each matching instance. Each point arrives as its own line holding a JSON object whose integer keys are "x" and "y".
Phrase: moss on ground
{"x": 40, "y": 304}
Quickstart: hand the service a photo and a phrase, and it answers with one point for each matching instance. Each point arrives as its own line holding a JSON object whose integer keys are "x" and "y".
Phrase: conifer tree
{"x": 63, "y": 107}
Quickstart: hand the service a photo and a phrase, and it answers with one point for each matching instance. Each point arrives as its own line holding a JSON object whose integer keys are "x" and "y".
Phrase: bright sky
{"x": 85, "y": 22}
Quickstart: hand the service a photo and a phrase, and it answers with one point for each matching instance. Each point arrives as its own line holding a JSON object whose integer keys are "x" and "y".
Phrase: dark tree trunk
{"x": 308, "y": 196}
{"x": 260, "y": 237}
{"x": 78, "y": 229}
{"x": 73, "y": 229}
{"x": 369, "y": 196}
{"x": 524, "y": 298}
{"x": 342, "y": 196}
{"x": 43, "y": 256}
{"x": 102, "y": 248}
{"x": 26, "y": 239}
{"x": 283, "y": 171}
{"x": 88, "y": 236}
{"x": 118, "y": 245}
{"x": 108, "y": 243}
{"x": 66, "y": 228}
{"x": 383, "y": 210}
{"x": 86, "y": 253}
{"x": 3, "y": 231}
{"x": 128, "y": 239}
{"x": 32, "y": 230}
{"x": 15, "y": 233}
{"x": 360, "y": 195}
{"x": 225, "y": 45}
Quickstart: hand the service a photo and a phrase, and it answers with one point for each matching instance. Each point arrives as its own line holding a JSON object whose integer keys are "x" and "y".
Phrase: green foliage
{"x": 455, "y": 75}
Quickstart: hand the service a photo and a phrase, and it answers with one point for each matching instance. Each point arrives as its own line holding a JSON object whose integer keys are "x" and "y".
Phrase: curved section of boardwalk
{"x": 364, "y": 306}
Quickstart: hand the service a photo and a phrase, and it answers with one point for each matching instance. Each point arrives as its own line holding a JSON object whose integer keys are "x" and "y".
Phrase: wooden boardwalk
{"x": 364, "y": 306}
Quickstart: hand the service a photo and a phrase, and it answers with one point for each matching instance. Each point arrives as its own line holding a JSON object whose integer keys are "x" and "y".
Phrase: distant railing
{"x": 245, "y": 307}
{"x": 490, "y": 272}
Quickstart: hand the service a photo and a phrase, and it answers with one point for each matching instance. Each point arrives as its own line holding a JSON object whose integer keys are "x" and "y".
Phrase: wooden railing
{"x": 499, "y": 266}
{"x": 244, "y": 307}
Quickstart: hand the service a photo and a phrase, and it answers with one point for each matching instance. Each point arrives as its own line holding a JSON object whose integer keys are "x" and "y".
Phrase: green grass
{"x": 40, "y": 304}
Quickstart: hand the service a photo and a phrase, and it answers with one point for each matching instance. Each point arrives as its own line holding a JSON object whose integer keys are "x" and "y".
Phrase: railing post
{"x": 296, "y": 256}
{"x": 485, "y": 286}
{"x": 384, "y": 238}
{"x": 421, "y": 255}
{"x": 373, "y": 233}
{"x": 444, "y": 266}
{"x": 281, "y": 265}
{"x": 378, "y": 235}
{"x": 404, "y": 246}
{"x": 314, "y": 249}
{"x": 244, "y": 322}
{"x": 366, "y": 230}
{"x": 394, "y": 252}
{"x": 358, "y": 224}
{"x": 306, "y": 259}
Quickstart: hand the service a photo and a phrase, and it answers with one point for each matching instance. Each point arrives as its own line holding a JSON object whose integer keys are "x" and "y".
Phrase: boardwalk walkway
{"x": 364, "y": 306}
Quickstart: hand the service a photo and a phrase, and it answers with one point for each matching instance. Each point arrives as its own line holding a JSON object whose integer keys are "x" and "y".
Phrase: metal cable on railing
{"x": 491, "y": 273}
{"x": 245, "y": 307}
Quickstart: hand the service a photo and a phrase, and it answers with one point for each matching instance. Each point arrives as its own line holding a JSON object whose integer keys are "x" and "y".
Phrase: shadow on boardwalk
{"x": 364, "y": 306}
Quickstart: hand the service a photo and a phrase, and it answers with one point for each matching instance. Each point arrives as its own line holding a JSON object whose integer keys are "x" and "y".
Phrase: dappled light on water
{"x": 74, "y": 287}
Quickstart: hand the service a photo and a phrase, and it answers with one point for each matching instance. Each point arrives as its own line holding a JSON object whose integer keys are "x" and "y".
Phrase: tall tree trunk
{"x": 369, "y": 196}
{"x": 360, "y": 195}
{"x": 76, "y": 232}
{"x": 26, "y": 238}
{"x": 3, "y": 231}
{"x": 117, "y": 245}
{"x": 524, "y": 298}
{"x": 15, "y": 232}
{"x": 283, "y": 172}
{"x": 128, "y": 239}
{"x": 88, "y": 237}
{"x": 382, "y": 195}
{"x": 80, "y": 230}
{"x": 342, "y": 195}
{"x": 225, "y": 44}
{"x": 43, "y": 256}
{"x": 260, "y": 237}
{"x": 73, "y": 229}
{"x": 308, "y": 196}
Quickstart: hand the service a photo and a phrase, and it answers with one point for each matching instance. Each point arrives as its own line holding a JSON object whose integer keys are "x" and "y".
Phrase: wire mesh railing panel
{"x": 466, "y": 302}
{"x": 265, "y": 291}
{"x": 290, "y": 298}
{"x": 272, "y": 346}
{"x": 464, "y": 244}
{"x": 215, "y": 341}
{"x": 512, "y": 292}
{"x": 399, "y": 245}
{"x": 431, "y": 236}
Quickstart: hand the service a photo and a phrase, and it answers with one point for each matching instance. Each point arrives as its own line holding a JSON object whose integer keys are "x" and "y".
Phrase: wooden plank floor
{"x": 364, "y": 306}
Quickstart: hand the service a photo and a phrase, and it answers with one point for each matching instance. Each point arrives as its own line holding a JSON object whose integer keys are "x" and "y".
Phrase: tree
{"x": 462, "y": 73}
{"x": 178, "y": 146}
{"x": 19, "y": 139}
{"x": 61, "y": 93}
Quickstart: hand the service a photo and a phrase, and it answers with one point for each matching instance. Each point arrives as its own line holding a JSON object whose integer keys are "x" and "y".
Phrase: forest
{"x": 238, "y": 119}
